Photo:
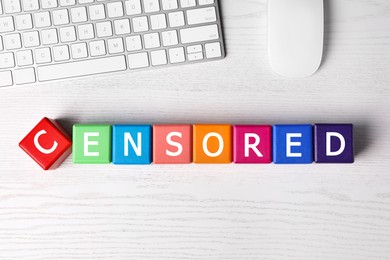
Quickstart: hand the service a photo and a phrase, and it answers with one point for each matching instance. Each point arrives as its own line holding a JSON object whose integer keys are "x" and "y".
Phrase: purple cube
{"x": 333, "y": 143}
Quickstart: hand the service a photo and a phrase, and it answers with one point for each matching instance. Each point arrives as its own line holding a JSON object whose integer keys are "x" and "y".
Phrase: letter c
{"x": 40, "y": 148}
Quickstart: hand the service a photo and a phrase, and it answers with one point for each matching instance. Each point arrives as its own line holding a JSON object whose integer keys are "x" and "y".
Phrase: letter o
{"x": 221, "y": 144}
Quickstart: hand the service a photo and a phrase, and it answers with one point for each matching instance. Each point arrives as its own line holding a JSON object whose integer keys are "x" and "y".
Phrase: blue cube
{"x": 131, "y": 144}
{"x": 293, "y": 144}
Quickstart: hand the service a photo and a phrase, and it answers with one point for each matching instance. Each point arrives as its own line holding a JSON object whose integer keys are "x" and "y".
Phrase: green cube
{"x": 92, "y": 144}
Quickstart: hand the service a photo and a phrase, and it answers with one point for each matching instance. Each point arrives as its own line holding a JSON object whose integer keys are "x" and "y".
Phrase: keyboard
{"x": 45, "y": 40}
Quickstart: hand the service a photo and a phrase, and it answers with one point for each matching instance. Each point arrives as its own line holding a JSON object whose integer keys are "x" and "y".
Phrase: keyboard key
{"x": 31, "y": 39}
{"x": 122, "y": 26}
{"x": 61, "y": 53}
{"x": 140, "y": 24}
{"x": 42, "y": 19}
{"x": 176, "y": 19}
{"x": 194, "y": 48}
{"x": 7, "y": 60}
{"x": 115, "y": 45}
{"x": 42, "y": 55}
{"x": 79, "y": 50}
{"x": 67, "y": 34}
{"x": 81, "y": 68}
{"x": 24, "y": 76}
{"x": 187, "y": 3}
{"x": 169, "y": 4}
{"x": 169, "y": 38}
{"x": 97, "y": 48}
{"x": 12, "y": 41}
{"x": 206, "y": 2}
{"x": 24, "y": 22}
{"x": 198, "y": 34}
{"x": 30, "y": 5}
{"x": 85, "y": 1}
{"x": 158, "y": 57}
{"x": 1, "y": 43}
{"x": 158, "y": 21}
{"x": 5, "y": 78}
{"x": 86, "y": 32}
{"x": 47, "y": 4}
{"x": 115, "y": 9}
{"x": 133, "y": 43}
{"x": 60, "y": 17}
{"x": 6, "y": 24}
{"x": 138, "y": 60}
{"x": 24, "y": 58}
{"x": 49, "y": 37}
{"x": 195, "y": 56}
{"x": 176, "y": 55}
{"x": 78, "y": 14}
{"x": 203, "y": 15}
{"x": 67, "y": 2}
{"x": 96, "y": 12}
{"x": 151, "y": 40}
{"x": 213, "y": 50}
{"x": 151, "y": 6}
{"x": 133, "y": 7}
{"x": 104, "y": 29}
{"x": 12, "y": 6}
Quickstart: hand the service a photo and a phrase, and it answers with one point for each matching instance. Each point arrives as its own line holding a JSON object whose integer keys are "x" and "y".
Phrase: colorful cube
{"x": 172, "y": 144}
{"x": 252, "y": 144}
{"x": 47, "y": 144}
{"x": 333, "y": 143}
{"x": 132, "y": 144}
{"x": 293, "y": 144}
{"x": 212, "y": 143}
{"x": 92, "y": 144}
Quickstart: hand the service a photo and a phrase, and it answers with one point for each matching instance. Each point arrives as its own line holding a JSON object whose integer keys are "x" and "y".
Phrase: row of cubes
{"x": 49, "y": 145}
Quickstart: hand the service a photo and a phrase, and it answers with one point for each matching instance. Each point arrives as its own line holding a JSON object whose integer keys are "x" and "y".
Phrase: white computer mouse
{"x": 295, "y": 36}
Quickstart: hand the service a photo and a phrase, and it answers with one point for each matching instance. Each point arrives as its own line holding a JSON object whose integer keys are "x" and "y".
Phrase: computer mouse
{"x": 295, "y": 36}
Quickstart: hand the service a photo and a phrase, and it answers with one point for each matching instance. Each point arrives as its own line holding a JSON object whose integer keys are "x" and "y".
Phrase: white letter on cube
{"x": 221, "y": 144}
{"x": 289, "y": 143}
{"x": 40, "y": 148}
{"x": 136, "y": 147}
{"x": 252, "y": 146}
{"x": 87, "y": 143}
{"x": 175, "y": 144}
{"x": 329, "y": 152}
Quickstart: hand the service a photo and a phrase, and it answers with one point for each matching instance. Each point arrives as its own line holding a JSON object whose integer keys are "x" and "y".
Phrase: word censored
{"x": 49, "y": 145}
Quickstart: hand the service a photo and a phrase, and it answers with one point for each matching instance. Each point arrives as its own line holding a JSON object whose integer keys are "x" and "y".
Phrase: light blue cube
{"x": 131, "y": 144}
{"x": 293, "y": 144}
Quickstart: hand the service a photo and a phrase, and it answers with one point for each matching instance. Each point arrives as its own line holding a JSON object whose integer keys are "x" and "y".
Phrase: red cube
{"x": 48, "y": 144}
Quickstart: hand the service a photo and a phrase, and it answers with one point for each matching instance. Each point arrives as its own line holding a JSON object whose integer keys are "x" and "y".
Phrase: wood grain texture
{"x": 212, "y": 211}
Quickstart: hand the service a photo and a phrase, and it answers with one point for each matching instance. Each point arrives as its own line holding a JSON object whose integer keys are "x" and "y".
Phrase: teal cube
{"x": 132, "y": 144}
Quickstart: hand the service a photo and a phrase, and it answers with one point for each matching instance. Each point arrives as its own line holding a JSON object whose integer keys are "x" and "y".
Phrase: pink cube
{"x": 252, "y": 144}
{"x": 172, "y": 144}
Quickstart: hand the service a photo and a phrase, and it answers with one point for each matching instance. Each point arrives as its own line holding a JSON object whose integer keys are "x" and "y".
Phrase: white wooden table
{"x": 212, "y": 211}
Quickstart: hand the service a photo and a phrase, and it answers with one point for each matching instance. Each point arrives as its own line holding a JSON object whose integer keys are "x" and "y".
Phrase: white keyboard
{"x": 44, "y": 40}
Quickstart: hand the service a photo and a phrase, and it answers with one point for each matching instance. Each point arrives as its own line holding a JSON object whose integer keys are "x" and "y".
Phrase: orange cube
{"x": 212, "y": 143}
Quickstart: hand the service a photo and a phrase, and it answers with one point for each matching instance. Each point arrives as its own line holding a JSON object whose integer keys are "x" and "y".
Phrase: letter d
{"x": 329, "y": 136}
